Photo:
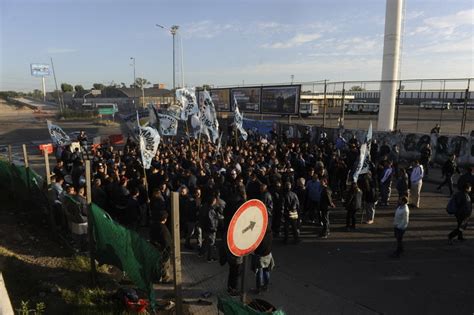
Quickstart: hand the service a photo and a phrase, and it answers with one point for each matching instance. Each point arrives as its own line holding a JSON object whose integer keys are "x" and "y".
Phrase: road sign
{"x": 106, "y": 111}
{"x": 39, "y": 70}
{"x": 247, "y": 228}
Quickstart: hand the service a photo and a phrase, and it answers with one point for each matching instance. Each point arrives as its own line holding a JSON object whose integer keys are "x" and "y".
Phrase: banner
{"x": 208, "y": 117}
{"x": 58, "y": 136}
{"x": 281, "y": 99}
{"x": 239, "y": 120}
{"x": 149, "y": 139}
{"x": 187, "y": 99}
{"x": 249, "y": 98}
{"x": 168, "y": 125}
{"x": 363, "y": 163}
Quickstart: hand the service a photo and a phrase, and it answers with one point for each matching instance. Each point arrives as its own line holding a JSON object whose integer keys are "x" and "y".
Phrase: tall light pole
{"x": 134, "y": 83}
{"x": 173, "y": 30}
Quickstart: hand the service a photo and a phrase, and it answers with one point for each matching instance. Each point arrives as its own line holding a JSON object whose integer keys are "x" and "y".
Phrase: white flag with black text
{"x": 168, "y": 125}
{"x": 363, "y": 163}
{"x": 208, "y": 116}
{"x": 239, "y": 120}
{"x": 149, "y": 139}
{"x": 186, "y": 97}
{"x": 58, "y": 136}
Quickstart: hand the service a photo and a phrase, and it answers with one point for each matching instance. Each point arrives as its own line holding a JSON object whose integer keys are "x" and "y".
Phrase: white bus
{"x": 309, "y": 109}
{"x": 435, "y": 105}
{"x": 361, "y": 108}
{"x": 460, "y": 105}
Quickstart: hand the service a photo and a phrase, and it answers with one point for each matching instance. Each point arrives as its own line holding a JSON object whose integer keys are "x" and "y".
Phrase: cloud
{"x": 297, "y": 40}
{"x": 206, "y": 29}
{"x": 414, "y": 14}
{"x": 444, "y": 25}
{"x": 61, "y": 50}
{"x": 458, "y": 47}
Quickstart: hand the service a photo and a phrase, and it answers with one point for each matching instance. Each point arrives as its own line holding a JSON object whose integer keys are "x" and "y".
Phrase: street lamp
{"x": 134, "y": 83}
{"x": 173, "y": 30}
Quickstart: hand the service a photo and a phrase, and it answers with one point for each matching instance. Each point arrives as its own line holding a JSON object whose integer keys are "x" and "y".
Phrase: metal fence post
{"x": 341, "y": 117}
{"x": 397, "y": 104}
{"x": 464, "y": 112}
{"x": 325, "y": 106}
{"x": 176, "y": 252}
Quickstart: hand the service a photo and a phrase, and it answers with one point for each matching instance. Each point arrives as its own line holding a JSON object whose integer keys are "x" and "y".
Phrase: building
{"x": 127, "y": 99}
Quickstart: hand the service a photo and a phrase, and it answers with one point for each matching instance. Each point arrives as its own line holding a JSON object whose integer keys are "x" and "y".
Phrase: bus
{"x": 460, "y": 105}
{"x": 308, "y": 109}
{"x": 435, "y": 105}
{"x": 361, "y": 107}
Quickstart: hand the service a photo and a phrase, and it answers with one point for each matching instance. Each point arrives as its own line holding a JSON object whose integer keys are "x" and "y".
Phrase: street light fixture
{"x": 173, "y": 30}
{"x": 134, "y": 83}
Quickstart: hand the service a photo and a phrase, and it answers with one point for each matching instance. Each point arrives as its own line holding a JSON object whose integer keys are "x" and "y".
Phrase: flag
{"x": 149, "y": 139}
{"x": 238, "y": 120}
{"x": 58, "y": 135}
{"x": 363, "y": 163}
{"x": 168, "y": 125}
{"x": 152, "y": 115}
{"x": 187, "y": 99}
{"x": 208, "y": 117}
{"x": 125, "y": 249}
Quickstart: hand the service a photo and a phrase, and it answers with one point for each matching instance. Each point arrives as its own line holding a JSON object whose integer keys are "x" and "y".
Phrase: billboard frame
{"x": 297, "y": 104}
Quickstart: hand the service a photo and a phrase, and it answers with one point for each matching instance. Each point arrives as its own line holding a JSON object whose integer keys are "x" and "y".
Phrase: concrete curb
{"x": 5, "y": 304}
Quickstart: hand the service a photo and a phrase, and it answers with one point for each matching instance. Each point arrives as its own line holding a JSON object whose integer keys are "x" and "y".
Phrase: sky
{"x": 228, "y": 42}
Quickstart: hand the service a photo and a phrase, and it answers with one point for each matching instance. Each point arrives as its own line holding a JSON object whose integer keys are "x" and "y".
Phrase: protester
{"x": 353, "y": 203}
{"x": 160, "y": 236}
{"x": 262, "y": 262}
{"x": 370, "y": 196}
{"x": 463, "y": 205}
{"x": 416, "y": 181}
{"x": 448, "y": 170}
{"x": 400, "y": 222}
{"x": 291, "y": 208}
{"x": 386, "y": 183}
{"x": 325, "y": 203}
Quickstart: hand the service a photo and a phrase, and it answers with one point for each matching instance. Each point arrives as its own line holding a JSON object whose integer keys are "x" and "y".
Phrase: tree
{"x": 37, "y": 94}
{"x": 357, "y": 88}
{"x": 141, "y": 83}
{"x": 78, "y": 88}
{"x": 65, "y": 87}
{"x": 123, "y": 85}
{"x": 98, "y": 86}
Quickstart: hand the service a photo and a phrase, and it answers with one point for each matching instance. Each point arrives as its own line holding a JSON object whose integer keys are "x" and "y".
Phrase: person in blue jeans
{"x": 263, "y": 262}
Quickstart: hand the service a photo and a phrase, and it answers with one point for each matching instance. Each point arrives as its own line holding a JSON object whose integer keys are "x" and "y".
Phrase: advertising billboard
{"x": 221, "y": 99}
{"x": 281, "y": 99}
{"x": 248, "y": 99}
{"x": 39, "y": 69}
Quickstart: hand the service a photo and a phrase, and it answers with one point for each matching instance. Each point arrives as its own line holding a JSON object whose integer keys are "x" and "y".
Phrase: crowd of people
{"x": 299, "y": 183}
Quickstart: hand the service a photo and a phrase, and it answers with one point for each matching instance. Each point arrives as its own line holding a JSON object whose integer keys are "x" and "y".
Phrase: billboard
{"x": 281, "y": 99}
{"x": 39, "y": 69}
{"x": 221, "y": 99}
{"x": 247, "y": 98}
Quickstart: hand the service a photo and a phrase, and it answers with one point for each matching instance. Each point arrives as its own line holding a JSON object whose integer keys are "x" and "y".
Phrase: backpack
{"x": 451, "y": 208}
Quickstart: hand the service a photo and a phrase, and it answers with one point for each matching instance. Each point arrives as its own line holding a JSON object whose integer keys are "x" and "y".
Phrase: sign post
{"x": 246, "y": 231}
{"x": 176, "y": 252}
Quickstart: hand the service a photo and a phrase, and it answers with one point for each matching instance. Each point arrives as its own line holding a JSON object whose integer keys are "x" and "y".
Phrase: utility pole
{"x": 134, "y": 83}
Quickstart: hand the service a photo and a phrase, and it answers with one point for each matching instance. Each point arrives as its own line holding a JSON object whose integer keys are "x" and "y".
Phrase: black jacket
{"x": 160, "y": 236}
{"x": 326, "y": 198}
{"x": 463, "y": 205}
{"x": 290, "y": 202}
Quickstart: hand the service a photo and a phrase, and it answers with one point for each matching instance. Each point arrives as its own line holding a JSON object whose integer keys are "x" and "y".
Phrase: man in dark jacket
{"x": 324, "y": 205}
{"x": 463, "y": 212}
{"x": 449, "y": 167}
{"x": 267, "y": 200}
{"x": 467, "y": 177}
{"x": 160, "y": 237}
{"x": 353, "y": 203}
{"x": 291, "y": 207}
{"x": 209, "y": 220}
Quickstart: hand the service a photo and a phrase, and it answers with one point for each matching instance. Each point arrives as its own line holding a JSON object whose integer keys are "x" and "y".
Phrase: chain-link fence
{"x": 420, "y": 105}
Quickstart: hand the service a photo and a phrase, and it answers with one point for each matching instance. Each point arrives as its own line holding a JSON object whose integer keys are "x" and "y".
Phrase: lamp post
{"x": 173, "y": 30}
{"x": 134, "y": 83}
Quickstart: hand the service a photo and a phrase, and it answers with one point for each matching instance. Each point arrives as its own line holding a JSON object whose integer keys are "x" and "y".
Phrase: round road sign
{"x": 247, "y": 228}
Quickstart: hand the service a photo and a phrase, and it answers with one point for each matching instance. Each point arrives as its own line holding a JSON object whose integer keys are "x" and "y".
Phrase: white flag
{"x": 209, "y": 117}
{"x": 168, "y": 125}
{"x": 149, "y": 139}
{"x": 187, "y": 99}
{"x": 364, "y": 157}
{"x": 239, "y": 120}
{"x": 58, "y": 135}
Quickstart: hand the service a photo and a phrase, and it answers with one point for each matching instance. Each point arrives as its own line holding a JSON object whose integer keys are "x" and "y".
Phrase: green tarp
{"x": 229, "y": 306}
{"x": 20, "y": 183}
{"x": 125, "y": 249}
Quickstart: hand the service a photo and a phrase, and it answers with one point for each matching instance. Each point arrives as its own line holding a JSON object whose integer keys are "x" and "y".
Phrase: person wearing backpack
{"x": 461, "y": 202}
{"x": 400, "y": 223}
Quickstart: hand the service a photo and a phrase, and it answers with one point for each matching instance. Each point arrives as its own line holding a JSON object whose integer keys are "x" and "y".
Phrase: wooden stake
{"x": 10, "y": 154}
{"x": 46, "y": 165}
{"x": 89, "y": 222}
{"x": 25, "y": 156}
{"x": 176, "y": 252}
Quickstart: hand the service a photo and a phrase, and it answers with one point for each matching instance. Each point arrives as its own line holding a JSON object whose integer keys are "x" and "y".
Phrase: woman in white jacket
{"x": 400, "y": 223}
